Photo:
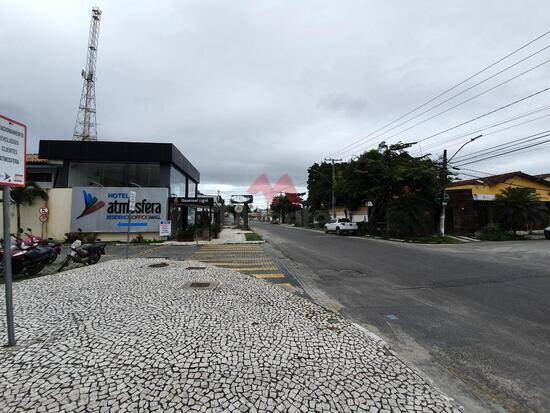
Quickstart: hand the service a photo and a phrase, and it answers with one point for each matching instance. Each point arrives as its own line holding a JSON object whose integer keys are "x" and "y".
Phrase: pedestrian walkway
{"x": 250, "y": 259}
{"x": 154, "y": 335}
{"x": 226, "y": 236}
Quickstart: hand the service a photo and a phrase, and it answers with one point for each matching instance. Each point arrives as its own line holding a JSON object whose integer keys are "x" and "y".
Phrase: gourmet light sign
{"x": 96, "y": 209}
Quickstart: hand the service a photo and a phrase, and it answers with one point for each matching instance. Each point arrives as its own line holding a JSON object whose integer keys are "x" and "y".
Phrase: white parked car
{"x": 341, "y": 226}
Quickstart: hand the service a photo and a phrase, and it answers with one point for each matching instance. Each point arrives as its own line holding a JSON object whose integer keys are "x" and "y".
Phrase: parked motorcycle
{"x": 36, "y": 241}
{"x": 87, "y": 254}
{"x": 25, "y": 259}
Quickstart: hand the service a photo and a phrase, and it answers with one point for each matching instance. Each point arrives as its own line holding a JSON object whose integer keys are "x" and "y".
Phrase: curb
{"x": 209, "y": 242}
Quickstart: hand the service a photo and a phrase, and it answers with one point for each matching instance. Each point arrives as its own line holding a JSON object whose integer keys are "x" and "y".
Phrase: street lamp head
{"x": 477, "y": 137}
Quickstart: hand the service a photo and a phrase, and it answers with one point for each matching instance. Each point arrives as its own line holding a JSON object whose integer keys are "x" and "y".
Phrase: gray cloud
{"x": 245, "y": 88}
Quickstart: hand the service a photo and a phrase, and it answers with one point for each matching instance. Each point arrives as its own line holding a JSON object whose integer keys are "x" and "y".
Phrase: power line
{"x": 515, "y": 102}
{"x": 463, "y": 102}
{"x": 492, "y": 125}
{"x": 467, "y": 100}
{"x": 500, "y": 147}
{"x": 446, "y": 91}
{"x": 507, "y": 152}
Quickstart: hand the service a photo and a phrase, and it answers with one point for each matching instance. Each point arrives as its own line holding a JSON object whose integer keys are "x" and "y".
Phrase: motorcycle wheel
{"x": 65, "y": 262}
{"x": 94, "y": 259}
{"x": 53, "y": 257}
{"x": 35, "y": 269}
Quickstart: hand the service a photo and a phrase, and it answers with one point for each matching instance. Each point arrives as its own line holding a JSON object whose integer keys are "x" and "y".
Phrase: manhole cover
{"x": 196, "y": 268}
{"x": 203, "y": 285}
{"x": 159, "y": 265}
{"x": 199, "y": 285}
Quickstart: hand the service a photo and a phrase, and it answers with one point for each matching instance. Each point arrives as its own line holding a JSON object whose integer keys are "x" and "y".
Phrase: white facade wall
{"x": 59, "y": 221}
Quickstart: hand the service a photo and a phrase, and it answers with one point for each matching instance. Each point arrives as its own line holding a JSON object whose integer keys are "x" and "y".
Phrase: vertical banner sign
{"x": 13, "y": 148}
{"x": 131, "y": 209}
{"x": 13, "y": 152}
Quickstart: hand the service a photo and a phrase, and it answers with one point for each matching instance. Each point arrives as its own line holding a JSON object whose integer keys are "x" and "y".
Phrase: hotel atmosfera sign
{"x": 96, "y": 209}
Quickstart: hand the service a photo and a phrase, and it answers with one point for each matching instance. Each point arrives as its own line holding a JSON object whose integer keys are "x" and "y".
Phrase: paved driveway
{"x": 474, "y": 316}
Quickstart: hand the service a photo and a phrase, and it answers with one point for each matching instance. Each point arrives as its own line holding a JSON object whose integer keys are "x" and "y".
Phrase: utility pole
{"x": 281, "y": 208}
{"x": 85, "y": 128}
{"x": 332, "y": 160}
{"x": 443, "y": 180}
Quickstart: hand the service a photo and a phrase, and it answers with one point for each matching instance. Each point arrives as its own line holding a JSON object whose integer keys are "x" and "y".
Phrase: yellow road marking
{"x": 217, "y": 260}
{"x": 275, "y": 275}
{"x": 149, "y": 250}
{"x": 287, "y": 286}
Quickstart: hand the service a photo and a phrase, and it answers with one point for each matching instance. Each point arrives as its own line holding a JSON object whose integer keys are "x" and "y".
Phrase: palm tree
{"x": 26, "y": 196}
{"x": 519, "y": 208}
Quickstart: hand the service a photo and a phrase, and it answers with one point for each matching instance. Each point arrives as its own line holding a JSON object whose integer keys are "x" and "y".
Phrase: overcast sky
{"x": 251, "y": 87}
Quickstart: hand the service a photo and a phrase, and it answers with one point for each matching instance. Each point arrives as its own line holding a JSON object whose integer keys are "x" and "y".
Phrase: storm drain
{"x": 159, "y": 265}
{"x": 202, "y": 285}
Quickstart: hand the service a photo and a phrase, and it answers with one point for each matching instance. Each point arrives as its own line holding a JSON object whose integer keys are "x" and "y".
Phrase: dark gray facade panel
{"x": 104, "y": 151}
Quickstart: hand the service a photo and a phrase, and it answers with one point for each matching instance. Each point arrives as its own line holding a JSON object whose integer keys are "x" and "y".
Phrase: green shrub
{"x": 185, "y": 235}
{"x": 252, "y": 236}
{"x": 493, "y": 232}
{"x": 70, "y": 237}
{"x": 363, "y": 228}
{"x": 410, "y": 215}
{"x": 138, "y": 239}
{"x": 322, "y": 217}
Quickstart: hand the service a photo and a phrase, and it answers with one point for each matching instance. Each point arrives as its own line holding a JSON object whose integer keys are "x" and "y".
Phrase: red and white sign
{"x": 43, "y": 218}
{"x": 43, "y": 210}
{"x": 13, "y": 152}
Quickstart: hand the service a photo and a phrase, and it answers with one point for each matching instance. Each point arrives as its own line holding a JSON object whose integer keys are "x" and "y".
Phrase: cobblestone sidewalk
{"x": 122, "y": 336}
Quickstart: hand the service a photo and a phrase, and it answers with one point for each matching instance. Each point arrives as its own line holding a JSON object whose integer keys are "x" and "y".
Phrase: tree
{"x": 319, "y": 185}
{"x": 519, "y": 208}
{"x": 403, "y": 190}
{"x": 285, "y": 203}
{"x": 26, "y": 196}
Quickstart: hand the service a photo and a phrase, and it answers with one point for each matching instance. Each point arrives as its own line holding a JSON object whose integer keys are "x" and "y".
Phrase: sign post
{"x": 131, "y": 208}
{"x": 43, "y": 218}
{"x": 13, "y": 149}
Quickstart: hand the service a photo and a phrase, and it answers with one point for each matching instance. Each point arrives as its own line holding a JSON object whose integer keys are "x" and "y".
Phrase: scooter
{"x": 26, "y": 260}
{"x": 87, "y": 254}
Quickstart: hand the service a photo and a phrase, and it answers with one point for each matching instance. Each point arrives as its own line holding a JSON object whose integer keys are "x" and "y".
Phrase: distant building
{"x": 471, "y": 202}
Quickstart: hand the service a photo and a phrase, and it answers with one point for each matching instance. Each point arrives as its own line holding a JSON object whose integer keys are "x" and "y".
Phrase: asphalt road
{"x": 474, "y": 317}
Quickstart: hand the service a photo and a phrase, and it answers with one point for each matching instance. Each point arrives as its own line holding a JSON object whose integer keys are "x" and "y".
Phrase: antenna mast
{"x": 85, "y": 128}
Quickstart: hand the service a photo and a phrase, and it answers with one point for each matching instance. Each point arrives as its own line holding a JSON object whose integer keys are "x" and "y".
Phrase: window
{"x": 177, "y": 182}
{"x": 344, "y": 220}
{"x": 192, "y": 188}
{"x": 114, "y": 174}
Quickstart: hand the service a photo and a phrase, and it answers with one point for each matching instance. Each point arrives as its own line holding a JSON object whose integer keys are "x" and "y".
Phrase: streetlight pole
{"x": 332, "y": 160}
{"x": 443, "y": 179}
